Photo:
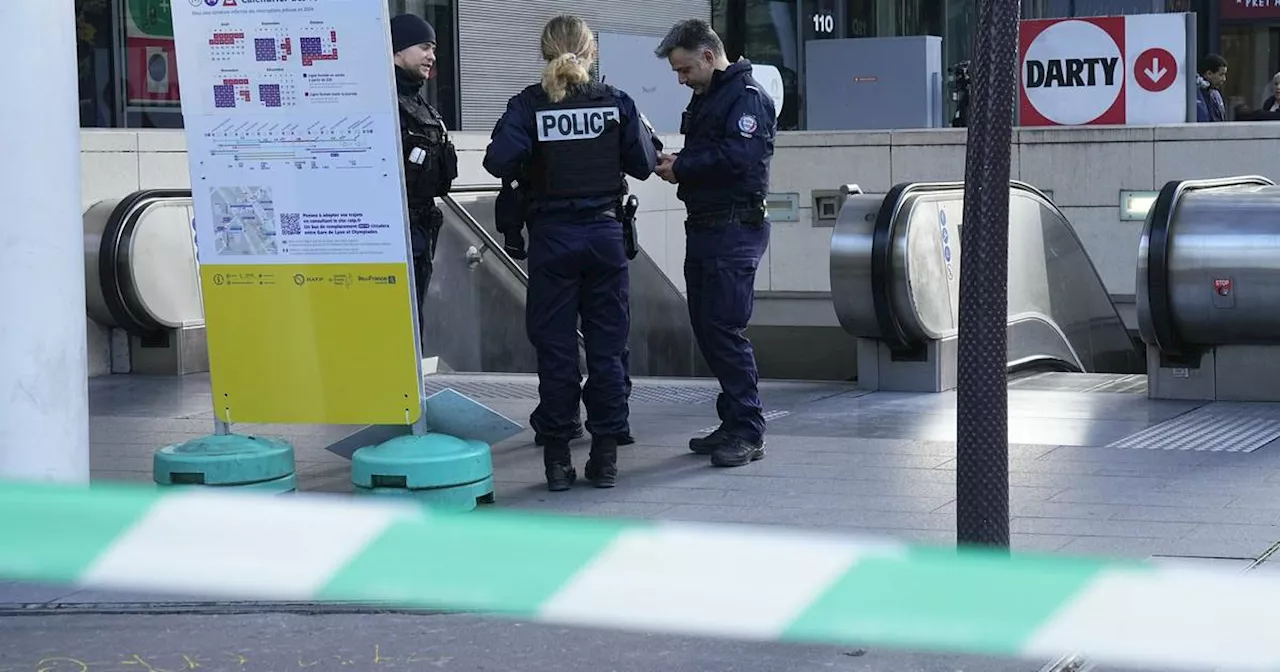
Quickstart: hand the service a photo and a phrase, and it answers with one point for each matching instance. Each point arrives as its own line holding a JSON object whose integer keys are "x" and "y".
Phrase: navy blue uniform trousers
{"x": 579, "y": 270}
{"x": 720, "y": 266}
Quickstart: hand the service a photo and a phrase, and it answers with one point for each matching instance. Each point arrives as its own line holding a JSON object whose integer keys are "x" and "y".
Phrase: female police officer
{"x": 570, "y": 140}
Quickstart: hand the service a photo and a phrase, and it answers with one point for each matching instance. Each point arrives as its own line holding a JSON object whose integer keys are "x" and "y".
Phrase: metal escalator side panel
{"x": 1178, "y": 246}
{"x": 852, "y": 243}
{"x": 96, "y": 220}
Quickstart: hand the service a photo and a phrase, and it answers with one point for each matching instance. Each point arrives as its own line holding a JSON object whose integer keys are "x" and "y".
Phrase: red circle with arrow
{"x": 1155, "y": 70}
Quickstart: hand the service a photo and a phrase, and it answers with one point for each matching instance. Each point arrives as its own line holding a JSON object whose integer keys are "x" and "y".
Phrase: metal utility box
{"x": 873, "y": 83}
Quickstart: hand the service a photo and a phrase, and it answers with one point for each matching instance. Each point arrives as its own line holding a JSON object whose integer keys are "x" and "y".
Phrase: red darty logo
{"x": 1073, "y": 72}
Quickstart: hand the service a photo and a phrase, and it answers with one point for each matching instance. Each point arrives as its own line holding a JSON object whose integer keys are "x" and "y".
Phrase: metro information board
{"x": 293, "y": 143}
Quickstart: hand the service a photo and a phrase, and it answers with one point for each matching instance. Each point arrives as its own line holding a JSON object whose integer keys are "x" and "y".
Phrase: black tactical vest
{"x": 577, "y": 149}
{"x": 430, "y": 161}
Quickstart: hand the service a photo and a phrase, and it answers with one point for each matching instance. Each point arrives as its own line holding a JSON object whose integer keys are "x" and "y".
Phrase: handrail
{"x": 489, "y": 242}
{"x": 113, "y": 283}
{"x": 892, "y": 330}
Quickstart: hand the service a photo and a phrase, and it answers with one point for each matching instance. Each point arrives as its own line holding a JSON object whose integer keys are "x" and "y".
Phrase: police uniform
{"x": 723, "y": 178}
{"x": 509, "y": 216}
{"x": 430, "y": 159}
{"x": 570, "y": 159}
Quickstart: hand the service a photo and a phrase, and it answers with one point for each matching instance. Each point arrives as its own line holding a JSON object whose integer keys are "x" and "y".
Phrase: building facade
{"x": 129, "y": 78}
{"x": 489, "y": 48}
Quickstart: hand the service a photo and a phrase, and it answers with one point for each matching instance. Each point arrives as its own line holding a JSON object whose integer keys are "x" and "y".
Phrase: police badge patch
{"x": 747, "y": 125}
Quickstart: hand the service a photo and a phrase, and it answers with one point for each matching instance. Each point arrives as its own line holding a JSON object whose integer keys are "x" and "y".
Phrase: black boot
{"x": 737, "y": 452}
{"x": 602, "y": 466}
{"x": 710, "y": 443}
{"x": 559, "y": 466}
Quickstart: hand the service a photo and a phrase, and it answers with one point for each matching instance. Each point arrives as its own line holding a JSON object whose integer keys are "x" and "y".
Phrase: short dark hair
{"x": 1212, "y": 63}
{"x": 691, "y": 35}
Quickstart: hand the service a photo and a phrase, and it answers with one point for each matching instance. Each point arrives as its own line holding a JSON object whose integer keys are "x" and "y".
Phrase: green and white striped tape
{"x": 723, "y": 581}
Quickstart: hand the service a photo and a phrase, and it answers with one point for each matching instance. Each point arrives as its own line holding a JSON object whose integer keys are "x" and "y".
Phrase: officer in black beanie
{"x": 430, "y": 160}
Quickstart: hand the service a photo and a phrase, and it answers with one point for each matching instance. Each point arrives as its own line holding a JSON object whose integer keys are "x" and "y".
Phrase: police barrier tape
{"x": 725, "y": 581}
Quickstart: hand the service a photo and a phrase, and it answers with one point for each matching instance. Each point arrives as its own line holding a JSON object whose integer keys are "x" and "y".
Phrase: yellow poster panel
{"x": 312, "y": 344}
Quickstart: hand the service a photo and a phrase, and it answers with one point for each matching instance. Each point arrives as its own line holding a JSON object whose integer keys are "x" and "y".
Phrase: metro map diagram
{"x": 343, "y": 144}
{"x": 244, "y": 221}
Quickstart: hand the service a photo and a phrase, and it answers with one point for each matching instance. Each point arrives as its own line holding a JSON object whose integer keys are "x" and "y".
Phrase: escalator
{"x": 895, "y": 279}
{"x": 141, "y": 270}
{"x": 474, "y": 312}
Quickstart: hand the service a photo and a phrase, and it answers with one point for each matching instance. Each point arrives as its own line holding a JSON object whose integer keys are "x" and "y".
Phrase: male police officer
{"x": 430, "y": 161}
{"x": 723, "y": 177}
{"x": 572, "y": 140}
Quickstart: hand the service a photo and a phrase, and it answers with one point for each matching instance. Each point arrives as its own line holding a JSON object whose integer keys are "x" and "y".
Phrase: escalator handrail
{"x": 120, "y": 224}
{"x": 1159, "y": 223}
{"x": 489, "y": 243}
{"x": 492, "y": 243}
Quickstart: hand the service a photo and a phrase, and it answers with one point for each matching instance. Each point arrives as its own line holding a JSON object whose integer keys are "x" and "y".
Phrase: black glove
{"x": 514, "y": 245}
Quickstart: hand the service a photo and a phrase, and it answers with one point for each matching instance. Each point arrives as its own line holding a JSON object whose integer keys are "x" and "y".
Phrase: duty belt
{"x": 744, "y": 214}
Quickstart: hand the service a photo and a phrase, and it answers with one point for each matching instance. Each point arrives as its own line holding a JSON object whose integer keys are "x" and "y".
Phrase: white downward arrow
{"x": 1155, "y": 72}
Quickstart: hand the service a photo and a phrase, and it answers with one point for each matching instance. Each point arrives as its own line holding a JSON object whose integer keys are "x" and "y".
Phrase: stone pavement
{"x": 839, "y": 459}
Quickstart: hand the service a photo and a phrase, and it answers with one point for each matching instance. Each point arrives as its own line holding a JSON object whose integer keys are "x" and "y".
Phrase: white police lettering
{"x": 578, "y": 124}
{"x": 747, "y": 124}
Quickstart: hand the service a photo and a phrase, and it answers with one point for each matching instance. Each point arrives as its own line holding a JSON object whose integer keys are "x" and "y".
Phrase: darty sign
{"x": 1106, "y": 70}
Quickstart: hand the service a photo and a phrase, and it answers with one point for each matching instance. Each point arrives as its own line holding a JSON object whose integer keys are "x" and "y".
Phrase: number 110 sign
{"x": 824, "y": 23}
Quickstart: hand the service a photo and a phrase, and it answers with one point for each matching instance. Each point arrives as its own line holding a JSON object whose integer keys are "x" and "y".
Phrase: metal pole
{"x": 982, "y": 441}
{"x": 44, "y": 398}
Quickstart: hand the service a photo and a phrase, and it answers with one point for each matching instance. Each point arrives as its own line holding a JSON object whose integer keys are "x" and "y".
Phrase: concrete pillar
{"x": 44, "y": 399}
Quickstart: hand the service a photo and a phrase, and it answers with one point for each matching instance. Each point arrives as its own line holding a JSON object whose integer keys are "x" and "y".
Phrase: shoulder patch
{"x": 747, "y": 124}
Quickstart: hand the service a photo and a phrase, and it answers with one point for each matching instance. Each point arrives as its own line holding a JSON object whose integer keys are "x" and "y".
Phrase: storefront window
{"x": 860, "y": 18}
{"x": 128, "y": 68}
{"x": 911, "y": 17}
{"x": 1252, "y": 51}
{"x": 94, "y": 49}
{"x": 150, "y": 90}
{"x": 766, "y": 32}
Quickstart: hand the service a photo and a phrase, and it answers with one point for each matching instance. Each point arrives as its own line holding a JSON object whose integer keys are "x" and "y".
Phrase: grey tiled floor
{"x": 842, "y": 459}
{"x": 839, "y": 459}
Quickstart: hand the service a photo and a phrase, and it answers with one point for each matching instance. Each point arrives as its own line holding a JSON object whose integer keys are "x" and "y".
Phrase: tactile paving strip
{"x": 1220, "y": 427}
{"x": 641, "y": 393}
{"x": 1082, "y": 382}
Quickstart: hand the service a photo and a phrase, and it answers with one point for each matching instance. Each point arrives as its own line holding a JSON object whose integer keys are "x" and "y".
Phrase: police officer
{"x": 430, "y": 160}
{"x": 723, "y": 177}
{"x": 569, "y": 141}
{"x": 509, "y": 216}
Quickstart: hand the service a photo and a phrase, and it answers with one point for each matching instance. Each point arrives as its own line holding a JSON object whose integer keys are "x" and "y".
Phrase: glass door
{"x": 1252, "y": 51}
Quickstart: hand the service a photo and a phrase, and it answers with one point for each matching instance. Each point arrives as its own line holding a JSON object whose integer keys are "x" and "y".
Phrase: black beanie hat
{"x": 408, "y": 30}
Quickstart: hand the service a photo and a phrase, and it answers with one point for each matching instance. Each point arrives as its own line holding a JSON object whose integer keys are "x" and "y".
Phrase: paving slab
{"x": 839, "y": 459}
